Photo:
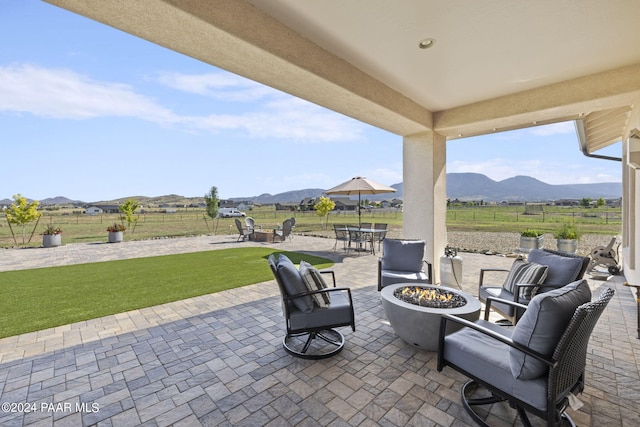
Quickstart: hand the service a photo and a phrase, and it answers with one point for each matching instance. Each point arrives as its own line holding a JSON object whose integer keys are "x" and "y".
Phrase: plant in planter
{"x": 568, "y": 236}
{"x": 51, "y": 236}
{"x": 531, "y": 239}
{"x": 115, "y": 232}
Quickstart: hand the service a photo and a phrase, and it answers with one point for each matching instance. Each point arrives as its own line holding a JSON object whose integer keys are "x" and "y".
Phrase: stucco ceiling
{"x": 484, "y": 49}
{"x": 496, "y": 64}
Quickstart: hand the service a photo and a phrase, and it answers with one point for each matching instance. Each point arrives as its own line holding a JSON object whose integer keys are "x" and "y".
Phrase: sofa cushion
{"x": 403, "y": 255}
{"x": 314, "y": 281}
{"x": 293, "y": 283}
{"x": 562, "y": 269}
{"x": 542, "y": 325}
{"x": 528, "y": 273}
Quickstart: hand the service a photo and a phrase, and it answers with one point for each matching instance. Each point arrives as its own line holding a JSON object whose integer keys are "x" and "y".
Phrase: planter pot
{"x": 115, "y": 236}
{"x": 529, "y": 243}
{"x": 568, "y": 245}
{"x": 51, "y": 240}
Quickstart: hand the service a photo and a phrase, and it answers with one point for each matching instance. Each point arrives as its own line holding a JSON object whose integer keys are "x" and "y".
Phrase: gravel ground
{"x": 506, "y": 243}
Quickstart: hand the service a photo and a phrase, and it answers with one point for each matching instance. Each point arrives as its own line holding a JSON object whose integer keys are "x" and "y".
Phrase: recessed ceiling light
{"x": 426, "y": 43}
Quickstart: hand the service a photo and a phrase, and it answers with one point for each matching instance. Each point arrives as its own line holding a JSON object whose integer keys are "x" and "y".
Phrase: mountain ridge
{"x": 462, "y": 186}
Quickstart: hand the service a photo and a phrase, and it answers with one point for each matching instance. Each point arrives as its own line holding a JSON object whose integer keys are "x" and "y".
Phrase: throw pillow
{"x": 542, "y": 326}
{"x": 528, "y": 273}
{"x": 313, "y": 280}
{"x": 293, "y": 284}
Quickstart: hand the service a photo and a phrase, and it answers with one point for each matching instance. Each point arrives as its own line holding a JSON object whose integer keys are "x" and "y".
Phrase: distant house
{"x": 244, "y": 206}
{"x": 287, "y": 206}
{"x": 345, "y": 204}
{"x": 93, "y": 210}
{"x": 307, "y": 204}
{"x": 102, "y": 209}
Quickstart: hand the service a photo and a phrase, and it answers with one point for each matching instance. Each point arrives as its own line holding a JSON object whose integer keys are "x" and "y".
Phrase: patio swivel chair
{"x": 535, "y": 366}
{"x": 402, "y": 261}
{"x": 526, "y": 279}
{"x": 311, "y": 315}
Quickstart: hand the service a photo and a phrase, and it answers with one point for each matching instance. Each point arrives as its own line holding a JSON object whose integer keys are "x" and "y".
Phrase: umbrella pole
{"x": 359, "y": 212}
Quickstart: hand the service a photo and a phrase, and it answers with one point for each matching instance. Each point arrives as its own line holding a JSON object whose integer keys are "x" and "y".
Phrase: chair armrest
{"x": 489, "y": 300}
{"x": 318, "y": 291}
{"x": 489, "y": 333}
{"x": 379, "y": 273}
{"x": 429, "y": 270}
{"x": 484, "y": 270}
{"x": 333, "y": 275}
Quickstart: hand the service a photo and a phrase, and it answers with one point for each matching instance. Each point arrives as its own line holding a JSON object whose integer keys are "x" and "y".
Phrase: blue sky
{"x": 92, "y": 113}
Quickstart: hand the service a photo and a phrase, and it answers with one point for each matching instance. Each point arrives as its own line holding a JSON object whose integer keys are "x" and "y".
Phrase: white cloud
{"x": 554, "y": 129}
{"x": 65, "y": 94}
{"x": 222, "y": 86}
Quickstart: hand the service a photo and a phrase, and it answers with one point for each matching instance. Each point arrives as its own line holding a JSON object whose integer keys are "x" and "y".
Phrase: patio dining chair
{"x": 342, "y": 235}
{"x": 535, "y": 366}
{"x": 311, "y": 309}
{"x": 358, "y": 240}
{"x": 379, "y": 237}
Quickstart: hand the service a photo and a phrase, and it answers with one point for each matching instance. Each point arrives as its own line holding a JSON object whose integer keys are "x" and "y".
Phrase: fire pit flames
{"x": 429, "y": 297}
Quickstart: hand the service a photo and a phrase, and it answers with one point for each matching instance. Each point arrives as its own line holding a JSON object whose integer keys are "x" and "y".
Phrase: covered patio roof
{"x": 495, "y": 65}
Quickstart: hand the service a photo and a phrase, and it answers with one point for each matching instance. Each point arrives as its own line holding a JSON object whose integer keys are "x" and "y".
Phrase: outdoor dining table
{"x": 370, "y": 232}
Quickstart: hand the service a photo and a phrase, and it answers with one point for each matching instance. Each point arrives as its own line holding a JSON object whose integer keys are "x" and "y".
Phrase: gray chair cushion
{"x": 488, "y": 359}
{"x": 338, "y": 312}
{"x": 528, "y": 273}
{"x": 562, "y": 269}
{"x": 314, "y": 281}
{"x": 403, "y": 255}
{"x": 391, "y": 277}
{"x": 542, "y": 325}
{"x": 293, "y": 283}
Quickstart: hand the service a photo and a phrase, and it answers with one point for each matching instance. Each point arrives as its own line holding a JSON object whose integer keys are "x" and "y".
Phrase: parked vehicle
{"x": 229, "y": 212}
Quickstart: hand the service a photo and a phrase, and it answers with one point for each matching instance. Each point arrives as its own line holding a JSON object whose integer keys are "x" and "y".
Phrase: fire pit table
{"x": 414, "y": 311}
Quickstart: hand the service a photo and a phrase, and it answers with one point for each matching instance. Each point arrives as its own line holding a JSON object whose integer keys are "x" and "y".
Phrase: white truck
{"x": 229, "y": 212}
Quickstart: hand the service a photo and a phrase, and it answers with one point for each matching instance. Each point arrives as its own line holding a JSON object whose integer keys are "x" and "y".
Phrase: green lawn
{"x": 32, "y": 300}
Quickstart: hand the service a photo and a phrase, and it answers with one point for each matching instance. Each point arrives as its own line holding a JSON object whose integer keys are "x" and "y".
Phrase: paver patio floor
{"x": 218, "y": 359}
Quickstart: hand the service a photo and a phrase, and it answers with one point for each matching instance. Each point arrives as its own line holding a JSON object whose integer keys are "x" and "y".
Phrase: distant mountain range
{"x": 462, "y": 186}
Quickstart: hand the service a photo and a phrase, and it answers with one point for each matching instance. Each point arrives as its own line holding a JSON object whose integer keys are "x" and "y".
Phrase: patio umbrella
{"x": 359, "y": 186}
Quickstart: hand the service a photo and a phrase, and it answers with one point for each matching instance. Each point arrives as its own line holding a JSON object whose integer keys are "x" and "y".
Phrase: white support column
{"x": 631, "y": 211}
{"x": 425, "y": 193}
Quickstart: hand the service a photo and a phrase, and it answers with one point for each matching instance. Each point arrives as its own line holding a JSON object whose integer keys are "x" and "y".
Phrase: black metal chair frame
{"x": 566, "y": 365}
{"x": 520, "y": 286}
{"x": 342, "y": 235}
{"x": 326, "y": 332}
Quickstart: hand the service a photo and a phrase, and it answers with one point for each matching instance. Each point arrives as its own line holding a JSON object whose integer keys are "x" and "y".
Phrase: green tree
{"x": 21, "y": 213}
{"x": 323, "y": 206}
{"x": 585, "y": 202}
{"x": 601, "y": 202}
{"x": 212, "y": 202}
{"x": 128, "y": 209}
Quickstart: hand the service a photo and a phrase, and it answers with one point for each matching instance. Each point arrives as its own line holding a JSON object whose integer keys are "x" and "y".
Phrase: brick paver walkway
{"x": 218, "y": 359}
